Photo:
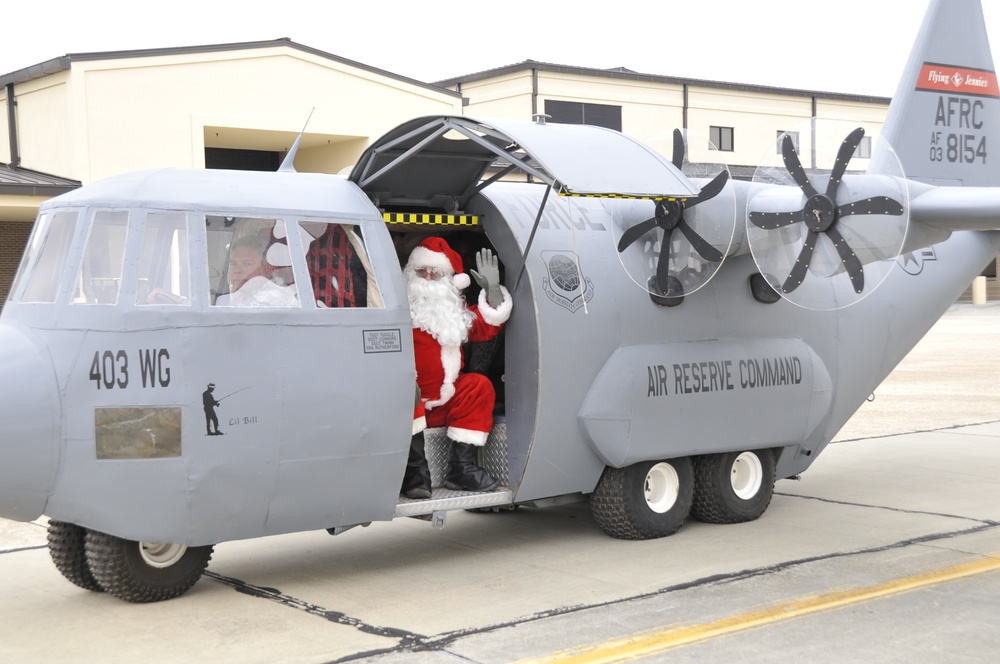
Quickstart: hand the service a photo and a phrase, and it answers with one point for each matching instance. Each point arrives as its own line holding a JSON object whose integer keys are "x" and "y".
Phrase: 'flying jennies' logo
{"x": 935, "y": 77}
{"x": 565, "y": 285}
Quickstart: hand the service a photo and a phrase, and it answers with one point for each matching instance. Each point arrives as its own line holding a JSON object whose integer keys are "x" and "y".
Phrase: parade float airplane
{"x": 679, "y": 339}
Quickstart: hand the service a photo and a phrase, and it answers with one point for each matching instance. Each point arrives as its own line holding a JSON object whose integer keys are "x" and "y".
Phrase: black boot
{"x": 464, "y": 474}
{"x": 417, "y": 478}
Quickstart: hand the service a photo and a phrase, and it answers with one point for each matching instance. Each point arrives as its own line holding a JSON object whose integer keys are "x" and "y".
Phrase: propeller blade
{"x": 851, "y": 262}
{"x": 678, "y": 156}
{"x": 663, "y": 262}
{"x": 635, "y": 232}
{"x": 700, "y": 244}
{"x": 873, "y": 205}
{"x": 844, "y": 155}
{"x": 710, "y": 190}
{"x": 772, "y": 220}
{"x": 798, "y": 272}
{"x": 794, "y": 166}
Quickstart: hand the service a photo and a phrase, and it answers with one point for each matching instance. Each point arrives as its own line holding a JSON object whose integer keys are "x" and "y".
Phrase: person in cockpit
{"x": 249, "y": 285}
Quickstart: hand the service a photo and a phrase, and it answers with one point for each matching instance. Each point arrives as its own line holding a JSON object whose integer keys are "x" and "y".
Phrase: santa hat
{"x": 434, "y": 252}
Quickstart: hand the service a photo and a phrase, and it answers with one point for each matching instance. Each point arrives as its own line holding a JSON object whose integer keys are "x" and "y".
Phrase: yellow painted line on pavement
{"x": 651, "y": 643}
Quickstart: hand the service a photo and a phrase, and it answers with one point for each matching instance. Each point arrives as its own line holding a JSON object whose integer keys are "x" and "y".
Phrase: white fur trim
{"x": 468, "y": 436}
{"x": 424, "y": 257}
{"x": 419, "y": 424}
{"x": 451, "y": 360}
{"x": 498, "y": 316}
{"x": 461, "y": 281}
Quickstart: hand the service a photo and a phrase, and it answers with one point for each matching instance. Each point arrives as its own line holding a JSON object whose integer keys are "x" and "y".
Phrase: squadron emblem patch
{"x": 564, "y": 284}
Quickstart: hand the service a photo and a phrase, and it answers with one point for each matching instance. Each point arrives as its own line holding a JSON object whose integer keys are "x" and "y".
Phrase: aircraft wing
{"x": 957, "y": 208}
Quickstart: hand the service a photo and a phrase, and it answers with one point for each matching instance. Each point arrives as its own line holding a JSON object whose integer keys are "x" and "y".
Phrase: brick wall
{"x": 992, "y": 291}
{"x": 13, "y": 239}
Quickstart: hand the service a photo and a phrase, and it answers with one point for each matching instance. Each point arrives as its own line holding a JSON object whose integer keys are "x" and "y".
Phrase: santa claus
{"x": 462, "y": 402}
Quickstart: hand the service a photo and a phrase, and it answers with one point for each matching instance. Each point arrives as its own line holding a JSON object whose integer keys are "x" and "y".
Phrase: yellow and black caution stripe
{"x": 624, "y": 197}
{"x": 422, "y": 219}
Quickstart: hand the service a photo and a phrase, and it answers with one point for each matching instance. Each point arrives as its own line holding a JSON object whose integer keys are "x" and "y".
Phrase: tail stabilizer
{"x": 944, "y": 120}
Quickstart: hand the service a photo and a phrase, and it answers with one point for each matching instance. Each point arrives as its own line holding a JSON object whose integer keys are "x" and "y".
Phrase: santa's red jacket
{"x": 438, "y": 366}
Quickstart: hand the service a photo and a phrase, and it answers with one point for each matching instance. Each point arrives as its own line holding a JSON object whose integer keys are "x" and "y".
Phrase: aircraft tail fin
{"x": 944, "y": 120}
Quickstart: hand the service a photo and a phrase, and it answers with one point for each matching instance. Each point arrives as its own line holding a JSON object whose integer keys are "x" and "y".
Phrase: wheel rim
{"x": 161, "y": 554}
{"x": 661, "y": 487}
{"x": 746, "y": 475}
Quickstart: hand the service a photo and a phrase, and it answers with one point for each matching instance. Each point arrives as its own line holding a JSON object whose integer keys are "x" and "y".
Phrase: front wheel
{"x": 733, "y": 487}
{"x": 646, "y": 500}
{"x": 144, "y": 571}
{"x": 66, "y": 547}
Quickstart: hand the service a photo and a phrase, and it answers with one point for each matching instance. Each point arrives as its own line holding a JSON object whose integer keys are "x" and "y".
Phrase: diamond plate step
{"x": 444, "y": 500}
{"x": 492, "y": 458}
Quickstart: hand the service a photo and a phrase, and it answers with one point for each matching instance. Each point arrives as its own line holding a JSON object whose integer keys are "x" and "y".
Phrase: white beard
{"x": 437, "y": 307}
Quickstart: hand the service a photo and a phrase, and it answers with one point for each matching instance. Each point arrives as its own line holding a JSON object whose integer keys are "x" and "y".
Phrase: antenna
{"x": 288, "y": 163}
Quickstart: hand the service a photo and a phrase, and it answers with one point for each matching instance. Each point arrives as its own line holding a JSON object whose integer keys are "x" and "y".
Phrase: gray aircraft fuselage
{"x": 143, "y": 400}
{"x": 315, "y": 433}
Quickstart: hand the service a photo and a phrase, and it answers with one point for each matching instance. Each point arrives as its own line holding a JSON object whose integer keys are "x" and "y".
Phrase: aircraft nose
{"x": 29, "y": 426}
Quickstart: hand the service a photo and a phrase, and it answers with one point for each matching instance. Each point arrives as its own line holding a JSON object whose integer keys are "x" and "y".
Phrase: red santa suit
{"x": 462, "y": 402}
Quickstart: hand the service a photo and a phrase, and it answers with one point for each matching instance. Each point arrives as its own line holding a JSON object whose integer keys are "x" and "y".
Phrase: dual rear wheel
{"x": 652, "y": 499}
{"x": 126, "y": 569}
{"x": 734, "y": 487}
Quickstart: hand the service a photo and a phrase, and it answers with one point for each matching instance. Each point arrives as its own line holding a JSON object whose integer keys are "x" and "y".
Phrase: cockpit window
{"x": 164, "y": 277}
{"x": 45, "y": 257}
{"x": 340, "y": 271}
{"x": 249, "y": 263}
{"x": 101, "y": 267}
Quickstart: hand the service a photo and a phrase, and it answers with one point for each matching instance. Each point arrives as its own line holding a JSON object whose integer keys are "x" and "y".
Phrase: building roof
{"x": 64, "y": 62}
{"x": 16, "y": 181}
{"x": 627, "y": 74}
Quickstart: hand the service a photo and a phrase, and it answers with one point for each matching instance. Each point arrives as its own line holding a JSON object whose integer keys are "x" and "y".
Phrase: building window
{"x": 242, "y": 160}
{"x": 720, "y": 138}
{"x": 794, "y": 135}
{"x": 864, "y": 149}
{"x": 572, "y": 112}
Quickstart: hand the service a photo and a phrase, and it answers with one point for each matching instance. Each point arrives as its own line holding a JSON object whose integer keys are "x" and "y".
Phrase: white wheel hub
{"x": 746, "y": 475}
{"x": 662, "y": 487}
{"x": 161, "y": 554}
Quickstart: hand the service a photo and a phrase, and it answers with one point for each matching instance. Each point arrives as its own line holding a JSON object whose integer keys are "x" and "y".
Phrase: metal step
{"x": 446, "y": 500}
{"x": 493, "y": 459}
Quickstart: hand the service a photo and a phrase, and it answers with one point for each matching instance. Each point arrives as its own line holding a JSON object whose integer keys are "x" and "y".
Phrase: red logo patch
{"x": 958, "y": 80}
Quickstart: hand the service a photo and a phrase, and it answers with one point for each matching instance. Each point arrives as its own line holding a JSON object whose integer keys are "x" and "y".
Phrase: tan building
{"x": 741, "y": 122}
{"x": 84, "y": 117}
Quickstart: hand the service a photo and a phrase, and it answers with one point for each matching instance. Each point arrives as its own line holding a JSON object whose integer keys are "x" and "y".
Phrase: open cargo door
{"x": 441, "y": 162}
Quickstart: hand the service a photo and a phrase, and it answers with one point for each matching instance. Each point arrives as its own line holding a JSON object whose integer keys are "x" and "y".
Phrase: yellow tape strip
{"x": 622, "y": 196}
{"x": 648, "y": 644}
{"x": 420, "y": 219}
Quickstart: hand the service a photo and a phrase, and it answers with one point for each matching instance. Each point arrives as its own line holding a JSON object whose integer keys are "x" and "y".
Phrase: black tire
{"x": 66, "y": 547}
{"x": 646, "y": 500}
{"x": 733, "y": 487}
{"x": 144, "y": 571}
